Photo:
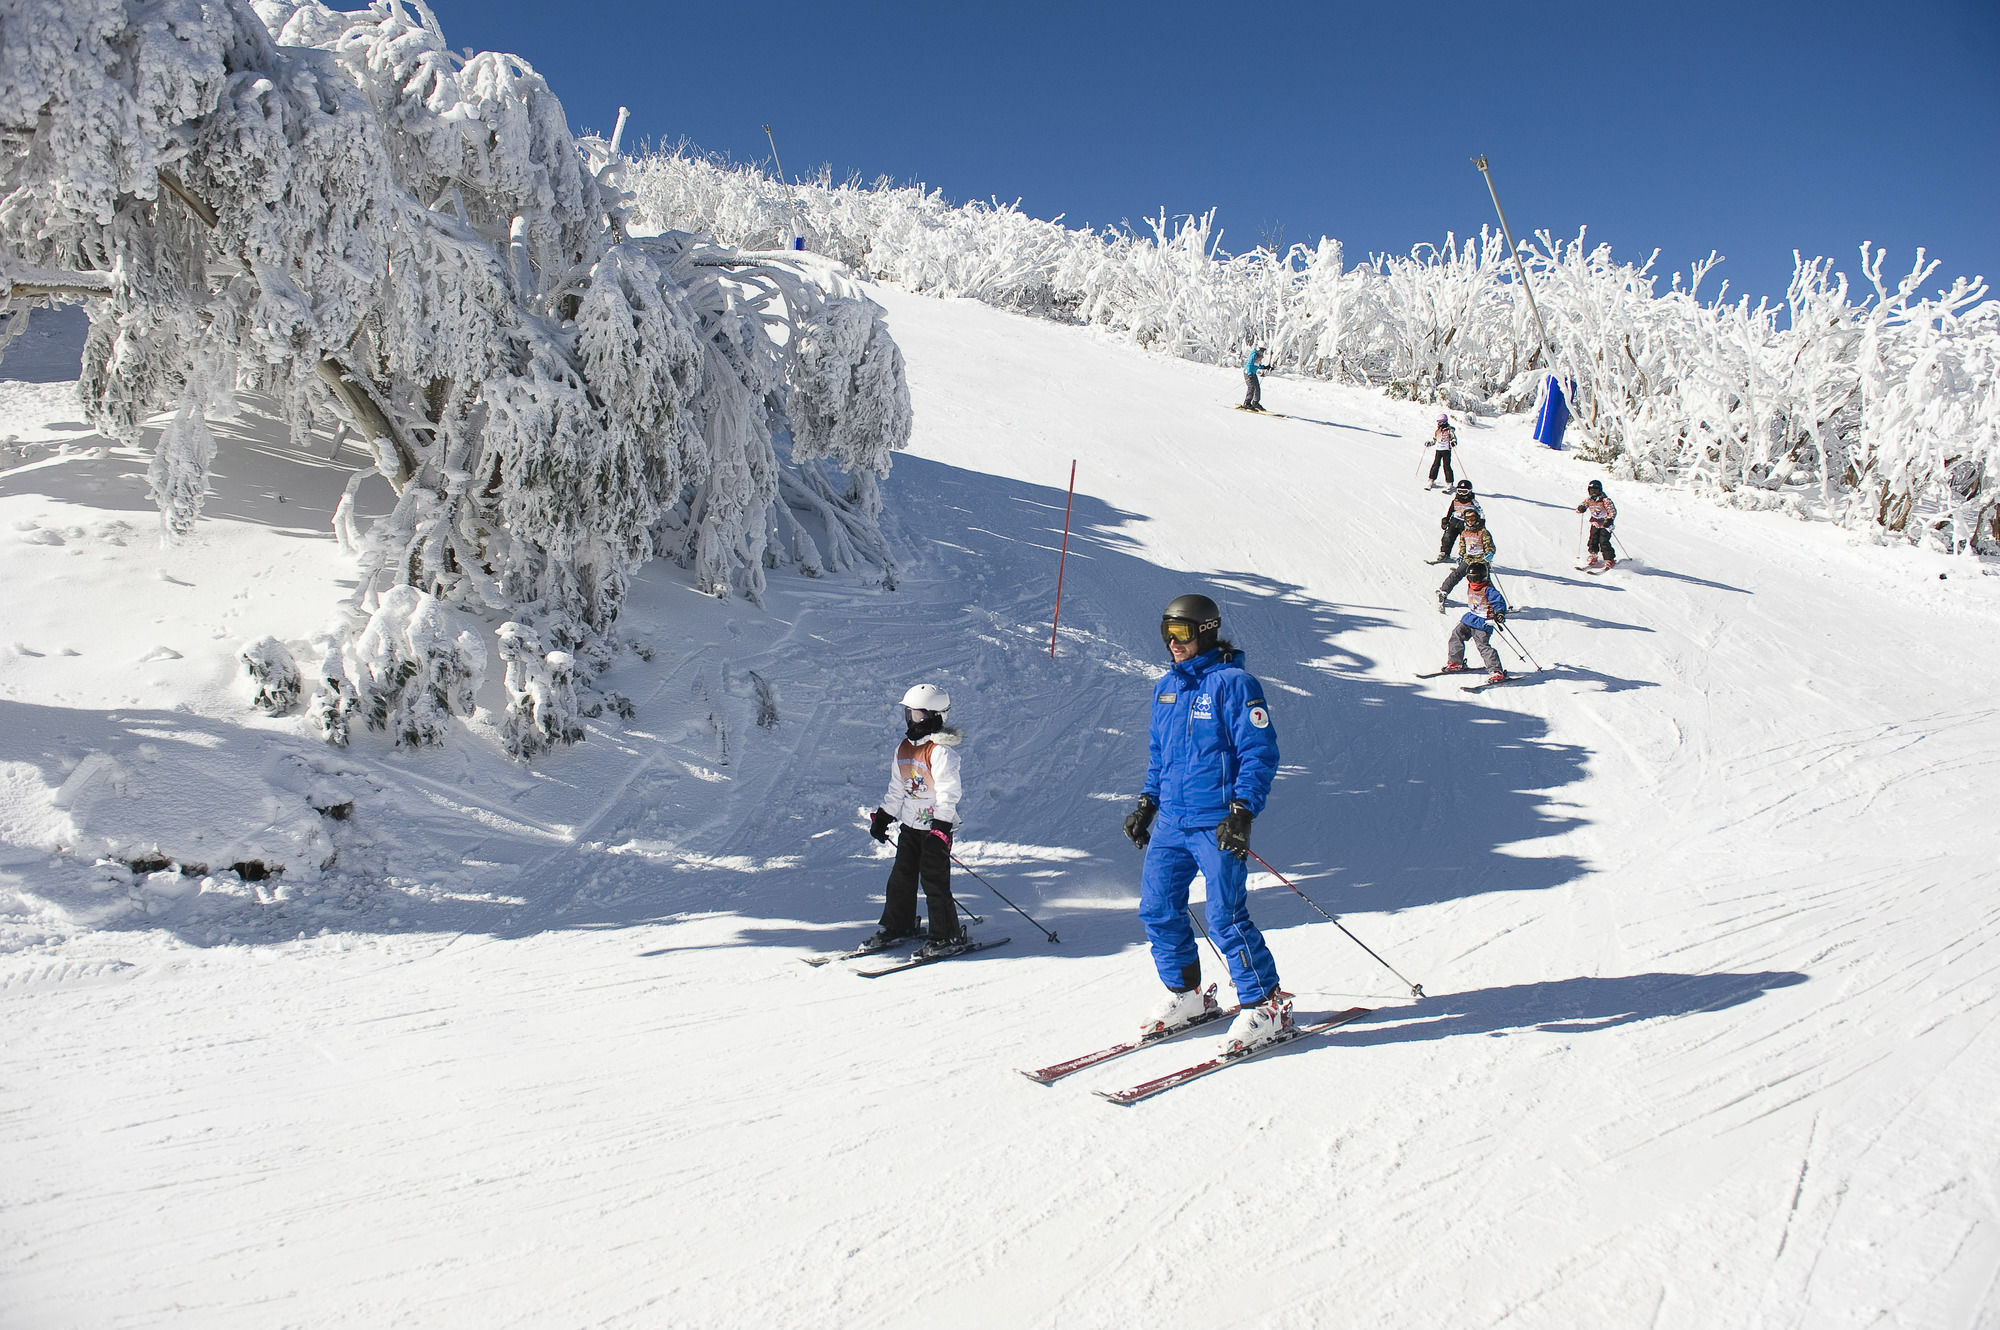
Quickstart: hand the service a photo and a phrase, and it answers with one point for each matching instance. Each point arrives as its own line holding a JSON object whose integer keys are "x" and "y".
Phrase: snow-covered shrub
{"x": 274, "y": 674}
{"x": 541, "y": 694}
{"x": 414, "y": 667}
{"x": 337, "y": 208}
{"x": 1878, "y": 414}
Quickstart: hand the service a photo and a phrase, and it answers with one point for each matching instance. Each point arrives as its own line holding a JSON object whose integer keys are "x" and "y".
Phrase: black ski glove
{"x": 1233, "y": 836}
{"x": 879, "y": 823}
{"x": 942, "y": 830}
{"x": 1499, "y": 621}
{"x": 1139, "y": 822}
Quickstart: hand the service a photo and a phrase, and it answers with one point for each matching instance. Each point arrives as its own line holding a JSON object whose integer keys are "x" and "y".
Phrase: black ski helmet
{"x": 1465, "y": 487}
{"x": 1595, "y": 487}
{"x": 1477, "y": 571}
{"x": 1199, "y": 613}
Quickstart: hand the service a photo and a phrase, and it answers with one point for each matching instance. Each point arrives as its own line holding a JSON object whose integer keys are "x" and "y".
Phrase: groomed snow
{"x": 1705, "y": 910}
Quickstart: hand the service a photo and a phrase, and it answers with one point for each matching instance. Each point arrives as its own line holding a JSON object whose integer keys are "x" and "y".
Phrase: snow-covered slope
{"x": 1705, "y": 910}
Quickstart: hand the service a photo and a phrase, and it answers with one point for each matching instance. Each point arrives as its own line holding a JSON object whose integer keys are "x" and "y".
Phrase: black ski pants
{"x": 1453, "y": 529}
{"x": 1441, "y": 457}
{"x": 1600, "y": 542}
{"x": 920, "y": 856}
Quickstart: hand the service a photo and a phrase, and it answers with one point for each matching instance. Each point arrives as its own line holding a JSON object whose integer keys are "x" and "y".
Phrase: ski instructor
{"x": 1211, "y": 759}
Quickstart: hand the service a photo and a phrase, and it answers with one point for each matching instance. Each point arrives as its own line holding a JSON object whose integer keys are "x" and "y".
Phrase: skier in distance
{"x": 1443, "y": 440}
{"x": 925, "y": 783}
{"x": 1212, "y": 753}
{"x": 1603, "y": 513}
{"x": 1453, "y": 522}
{"x": 1485, "y": 614}
{"x": 1253, "y": 389}
{"x": 1475, "y": 544}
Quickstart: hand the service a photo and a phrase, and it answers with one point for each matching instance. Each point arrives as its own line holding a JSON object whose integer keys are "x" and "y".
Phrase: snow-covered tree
{"x": 1879, "y": 415}
{"x": 339, "y": 209}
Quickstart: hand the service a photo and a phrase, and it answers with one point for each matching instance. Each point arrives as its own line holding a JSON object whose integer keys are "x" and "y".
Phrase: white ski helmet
{"x": 928, "y": 697}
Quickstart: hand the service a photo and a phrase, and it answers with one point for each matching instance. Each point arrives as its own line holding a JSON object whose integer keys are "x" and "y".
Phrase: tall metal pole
{"x": 791, "y": 208}
{"x": 1063, "y": 559}
{"x": 1519, "y": 267}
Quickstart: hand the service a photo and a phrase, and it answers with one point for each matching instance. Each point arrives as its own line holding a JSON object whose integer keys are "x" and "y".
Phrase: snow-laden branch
{"x": 1878, "y": 414}
{"x": 337, "y": 208}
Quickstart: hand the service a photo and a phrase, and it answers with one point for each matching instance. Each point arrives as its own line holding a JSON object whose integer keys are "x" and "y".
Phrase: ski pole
{"x": 1002, "y": 895}
{"x": 959, "y": 905}
{"x": 1416, "y": 990}
{"x": 1511, "y": 637}
{"x": 1202, "y": 929}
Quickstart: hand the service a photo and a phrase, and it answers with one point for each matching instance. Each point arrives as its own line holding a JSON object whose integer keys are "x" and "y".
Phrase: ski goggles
{"x": 1177, "y": 630}
{"x": 916, "y": 715}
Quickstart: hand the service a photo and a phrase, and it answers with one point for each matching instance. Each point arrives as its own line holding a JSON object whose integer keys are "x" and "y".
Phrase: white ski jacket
{"x": 924, "y": 781}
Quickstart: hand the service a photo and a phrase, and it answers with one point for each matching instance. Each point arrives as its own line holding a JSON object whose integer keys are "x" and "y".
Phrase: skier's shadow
{"x": 1583, "y": 1005}
{"x": 1638, "y": 569}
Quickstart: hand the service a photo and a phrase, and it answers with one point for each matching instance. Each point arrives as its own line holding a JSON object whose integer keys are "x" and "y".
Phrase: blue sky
{"x": 1751, "y": 128}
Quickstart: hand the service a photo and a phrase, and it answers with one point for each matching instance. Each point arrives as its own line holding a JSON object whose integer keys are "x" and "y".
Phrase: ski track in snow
{"x": 1707, "y": 918}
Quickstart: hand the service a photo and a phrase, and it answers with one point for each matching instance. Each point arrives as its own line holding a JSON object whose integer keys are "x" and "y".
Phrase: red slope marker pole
{"x": 1063, "y": 559}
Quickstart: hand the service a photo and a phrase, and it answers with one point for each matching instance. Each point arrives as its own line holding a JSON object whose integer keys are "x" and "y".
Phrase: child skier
{"x": 1462, "y": 503}
{"x": 1443, "y": 440}
{"x": 1603, "y": 513}
{"x": 1485, "y": 615}
{"x": 1253, "y": 388}
{"x": 924, "y": 788}
{"x": 1475, "y": 545}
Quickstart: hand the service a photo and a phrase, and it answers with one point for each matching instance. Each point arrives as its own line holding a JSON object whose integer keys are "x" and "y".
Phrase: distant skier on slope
{"x": 1253, "y": 391}
{"x": 1475, "y": 545}
{"x": 1443, "y": 439}
{"x": 925, "y": 783}
{"x": 1462, "y": 503}
{"x": 1211, "y": 756}
{"x": 1485, "y": 615}
{"x": 1603, "y": 513}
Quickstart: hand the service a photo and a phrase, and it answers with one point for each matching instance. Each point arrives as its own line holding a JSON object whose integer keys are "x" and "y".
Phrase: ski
{"x": 1049, "y": 1075}
{"x": 1291, "y": 1034}
{"x": 1262, "y": 411}
{"x": 1439, "y": 674}
{"x": 1485, "y": 684}
{"x": 829, "y": 957}
{"x": 913, "y": 961}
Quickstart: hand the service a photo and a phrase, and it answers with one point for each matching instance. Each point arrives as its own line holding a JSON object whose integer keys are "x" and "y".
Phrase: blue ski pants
{"x": 1173, "y": 857}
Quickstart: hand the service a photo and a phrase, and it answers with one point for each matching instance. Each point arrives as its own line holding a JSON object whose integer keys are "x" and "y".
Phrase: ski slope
{"x": 1705, "y": 910}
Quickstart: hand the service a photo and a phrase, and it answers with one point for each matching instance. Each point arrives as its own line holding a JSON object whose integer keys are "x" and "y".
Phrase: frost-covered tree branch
{"x": 1878, "y": 414}
{"x": 337, "y": 208}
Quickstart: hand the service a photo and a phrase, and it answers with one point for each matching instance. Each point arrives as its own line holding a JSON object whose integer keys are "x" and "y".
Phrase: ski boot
{"x": 1498, "y": 676}
{"x": 939, "y": 947}
{"x": 882, "y": 939}
{"x": 1453, "y": 667}
{"x": 1177, "y": 1012}
{"x": 1257, "y": 1025}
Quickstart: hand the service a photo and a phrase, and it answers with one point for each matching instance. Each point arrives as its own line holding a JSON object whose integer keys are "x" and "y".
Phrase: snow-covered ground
{"x": 1705, "y": 910}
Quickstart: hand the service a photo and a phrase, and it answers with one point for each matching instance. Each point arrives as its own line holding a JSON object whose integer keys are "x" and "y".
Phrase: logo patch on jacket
{"x": 1258, "y": 716}
{"x": 1204, "y": 707}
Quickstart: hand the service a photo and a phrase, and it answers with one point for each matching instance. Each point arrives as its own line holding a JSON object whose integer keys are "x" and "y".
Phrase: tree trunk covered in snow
{"x": 338, "y": 209}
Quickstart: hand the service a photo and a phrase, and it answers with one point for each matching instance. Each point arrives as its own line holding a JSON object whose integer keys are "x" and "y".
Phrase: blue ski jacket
{"x": 1251, "y": 366}
{"x": 1480, "y": 605}
{"x": 1211, "y": 741}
